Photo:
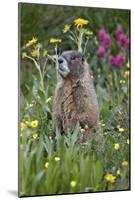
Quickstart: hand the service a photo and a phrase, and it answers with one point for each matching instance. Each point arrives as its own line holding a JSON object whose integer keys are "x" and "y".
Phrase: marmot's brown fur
{"x": 75, "y": 98}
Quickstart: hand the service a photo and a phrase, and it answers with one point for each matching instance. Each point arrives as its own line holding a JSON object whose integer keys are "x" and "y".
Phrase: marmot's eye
{"x": 73, "y": 57}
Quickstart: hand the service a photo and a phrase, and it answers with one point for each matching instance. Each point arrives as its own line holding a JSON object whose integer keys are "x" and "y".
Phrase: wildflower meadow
{"x": 64, "y": 165}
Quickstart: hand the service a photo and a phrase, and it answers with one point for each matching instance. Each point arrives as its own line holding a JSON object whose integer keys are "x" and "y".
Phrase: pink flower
{"x": 118, "y": 60}
{"x": 101, "y": 52}
{"x": 127, "y": 45}
{"x": 112, "y": 60}
{"x": 104, "y": 39}
{"x": 118, "y": 32}
{"x": 122, "y": 39}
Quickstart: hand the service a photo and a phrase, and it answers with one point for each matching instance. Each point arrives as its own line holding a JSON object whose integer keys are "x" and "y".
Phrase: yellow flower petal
{"x": 73, "y": 184}
{"x": 110, "y": 178}
{"x": 35, "y": 135}
{"x": 128, "y": 142}
{"x": 34, "y": 123}
{"x": 57, "y": 158}
{"x": 46, "y": 164}
{"x": 116, "y": 146}
{"x": 80, "y": 22}
{"x": 31, "y": 42}
{"x": 55, "y": 40}
{"x": 121, "y": 130}
{"x": 66, "y": 28}
{"x": 125, "y": 163}
{"x": 126, "y": 74}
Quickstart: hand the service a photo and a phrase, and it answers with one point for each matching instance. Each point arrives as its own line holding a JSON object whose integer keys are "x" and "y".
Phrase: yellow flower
{"x": 82, "y": 130}
{"x": 55, "y": 40}
{"x": 125, "y": 163}
{"x": 80, "y": 22}
{"x": 35, "y": 53}
{"x": 66, "y": 28}
{"x": 122, "y": 81}
{"x": 35, "y": 135}
{"x": 31, "y": 42}
{"x": 121, "y": 130}
{"x": 128, "y": 65}
{"x": 110, "y": 178}
{"x": 102, "y": 124}
{"x": 128, "y": 142}
{"x": 116, "y": 146}
{"x": 31, "y": 105}
{"x": 73, "y": 184}
{"x": 46, "y": 164}
{"x": 34, "y": 123}
{"x": 23, "y": 126}
{"x": 118, "y": 172}
{"x": 126, "y": 74}
{"x": 49, "y": 99}
{"x": 44, "y": 53}
{"x": 57, "y": 158}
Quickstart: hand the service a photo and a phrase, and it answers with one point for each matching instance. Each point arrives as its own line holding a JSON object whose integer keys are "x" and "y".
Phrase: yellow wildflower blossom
{"x": 46, "y": 164}
{"x": 128, "y": 142}
{"x": 118, "y": 172}
{"x": 35, "y": 53}
{"x": 49, "y": 99}
{"x": 122, "y": 81}
{"x": 66, "y": 28}
{"x": 110, "y": 178}
{"x": 34, "y": 123}
{"x": 126, "y": 74}
{"x": 73, "y": 184}
{"x": 55, "y": 40}
{"x": 31, "y": 105}
{"x": 125, "y": 163}
{"x": 23, "y": 126}
{"x": 57, "y": 158}
{"x": 87, "y": 32}
{"x": 34, "y": 136}
{"x": 121, "y": 130}
{"x": 102, "y": 124}
{"x": 80, "y": 22}
{"x": 31, "y": 42}
{"x": 116, "y": 146}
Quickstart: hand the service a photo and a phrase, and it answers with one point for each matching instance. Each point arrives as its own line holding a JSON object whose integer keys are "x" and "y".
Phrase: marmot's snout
{"x": 63, "y": 68}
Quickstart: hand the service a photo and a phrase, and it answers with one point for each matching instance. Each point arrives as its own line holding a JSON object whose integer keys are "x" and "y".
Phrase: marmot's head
{"x": 71, "y": 64}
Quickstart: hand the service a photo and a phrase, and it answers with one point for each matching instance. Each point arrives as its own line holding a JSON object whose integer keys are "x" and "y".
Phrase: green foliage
{"x": 64, "y": 165}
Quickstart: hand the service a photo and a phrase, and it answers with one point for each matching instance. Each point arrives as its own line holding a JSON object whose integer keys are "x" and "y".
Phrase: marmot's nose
{"x": 60, "y": 60}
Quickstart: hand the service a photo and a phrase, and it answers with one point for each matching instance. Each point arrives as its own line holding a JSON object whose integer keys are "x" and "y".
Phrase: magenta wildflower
{"x": 101, "y": 52}
{"x": 118, "y": 32}
{"x": 118, "y": 60}
{"x": 104, "y": 39}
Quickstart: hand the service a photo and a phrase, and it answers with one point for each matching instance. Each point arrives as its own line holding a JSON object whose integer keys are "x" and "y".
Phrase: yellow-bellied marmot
{"x": 75, "y": 98}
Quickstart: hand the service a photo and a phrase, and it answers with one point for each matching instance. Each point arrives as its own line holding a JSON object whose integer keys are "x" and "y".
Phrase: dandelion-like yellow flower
{"x": 55, "y": 40}
{"x": 125, "y": 163}
{"x": 31, "y": 42}
{"x": 23, "y": 126}
{"x": 46, "y": 164}
{"x": 31, "y": 105}
{"x": 73, "y": 184}
{"x": 122, "y": 81}
{"x": 116, "y": 146}
{"x": 66, "y": 28}
{"x": 128, "y": 142}
{"x": 49, "y": 99}
{"x": 80, "y": 22}
{"x": 57, "y": 158}
{"x": 35, "y": 53}
{"x": 35, "y": 136}
{"x": 34, "y": 123}
{"x": 110, "y": 178}
{"x": 121, "y": 130}
{"x": 126, "y": 74}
